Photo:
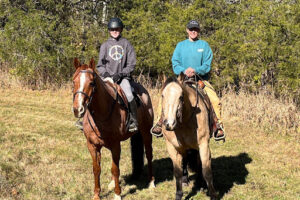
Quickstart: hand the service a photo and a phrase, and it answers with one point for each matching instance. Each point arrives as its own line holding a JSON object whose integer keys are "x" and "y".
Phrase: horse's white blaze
{"x": 171, "y": 93}
{"x": 80, "y": 96}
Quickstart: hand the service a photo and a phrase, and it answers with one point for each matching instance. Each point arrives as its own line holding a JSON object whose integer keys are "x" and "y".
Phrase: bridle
{"x": 92, "y": 84}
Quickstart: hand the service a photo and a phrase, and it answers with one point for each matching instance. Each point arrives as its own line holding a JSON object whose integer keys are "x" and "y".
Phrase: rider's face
{"x": 193, "y": 33}
{"x": 115, "y": 32}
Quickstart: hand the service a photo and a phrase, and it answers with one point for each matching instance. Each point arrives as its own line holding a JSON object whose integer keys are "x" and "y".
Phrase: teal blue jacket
{"x": 197, "y": 55}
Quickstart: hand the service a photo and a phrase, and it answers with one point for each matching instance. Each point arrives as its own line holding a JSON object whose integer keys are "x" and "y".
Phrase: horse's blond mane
{"x": 169, "y": 80}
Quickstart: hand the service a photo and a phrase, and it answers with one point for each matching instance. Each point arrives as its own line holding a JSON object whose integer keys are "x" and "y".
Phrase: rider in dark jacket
{"x": 117, "y": 61}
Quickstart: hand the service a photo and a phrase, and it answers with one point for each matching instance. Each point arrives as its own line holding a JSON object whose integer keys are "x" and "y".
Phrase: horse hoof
{"x": 214, "y": 197}
{"x": 96, "y": 197}
{"x": 185, "y": 181}
{"x": 152, "y": 185}
{"x": 178, "y": 195}
{"x": 117, "y": 197}
{"x": 111, "y": 185}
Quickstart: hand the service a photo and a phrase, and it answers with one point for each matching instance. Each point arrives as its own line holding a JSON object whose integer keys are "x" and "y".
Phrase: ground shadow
{"x": 227, "y": 171}
{"x": 162, "y": 169}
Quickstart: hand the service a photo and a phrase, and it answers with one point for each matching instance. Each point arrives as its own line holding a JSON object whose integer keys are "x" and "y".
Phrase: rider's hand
{"x": 116, "y": 78}
{"x": 189, "y": 72}
{"x": 105, "y": 75}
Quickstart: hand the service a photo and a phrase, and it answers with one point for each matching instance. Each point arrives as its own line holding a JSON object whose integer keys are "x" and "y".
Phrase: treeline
{"x": 256, "y": 43}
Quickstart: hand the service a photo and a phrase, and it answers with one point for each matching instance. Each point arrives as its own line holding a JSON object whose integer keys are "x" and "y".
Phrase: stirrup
{"x": 155, "y": 134}
{"x": 217, "y": 139}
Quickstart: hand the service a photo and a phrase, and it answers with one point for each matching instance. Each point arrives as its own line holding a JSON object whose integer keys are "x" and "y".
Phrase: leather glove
{"x": 105, "y": 75}
{"x": 116, "y": 78}
{"x": 126, "y": 75}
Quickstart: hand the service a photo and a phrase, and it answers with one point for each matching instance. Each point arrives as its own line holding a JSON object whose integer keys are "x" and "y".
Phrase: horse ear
{"x": 181, "y": 78}
{"x": 76, "y": 63}
{"x": 92, "y": 63}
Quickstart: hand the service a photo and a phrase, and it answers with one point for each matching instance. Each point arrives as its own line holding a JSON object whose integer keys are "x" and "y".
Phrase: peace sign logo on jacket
{"x": 116, "y": 52}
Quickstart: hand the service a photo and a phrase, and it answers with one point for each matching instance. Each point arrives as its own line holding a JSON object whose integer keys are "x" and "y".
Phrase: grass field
{"x": 44, "y": 156}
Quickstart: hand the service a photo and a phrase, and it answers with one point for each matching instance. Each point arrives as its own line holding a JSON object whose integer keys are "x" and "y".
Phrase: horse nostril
{"x": 174, "y": 123}
{"x": 165, "y": 122}
{"x": 81, "y": 109}
{"x": 75, "y": 111}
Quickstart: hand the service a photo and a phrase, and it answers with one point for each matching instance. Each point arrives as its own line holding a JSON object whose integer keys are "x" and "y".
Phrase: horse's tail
{"x": 137, "y": 154}
{"x": 193, "y": 160}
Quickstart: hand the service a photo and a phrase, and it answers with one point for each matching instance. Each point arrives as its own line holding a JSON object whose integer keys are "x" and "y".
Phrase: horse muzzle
{"x": 170, "y": 124}
{"x": 79, "y": 112}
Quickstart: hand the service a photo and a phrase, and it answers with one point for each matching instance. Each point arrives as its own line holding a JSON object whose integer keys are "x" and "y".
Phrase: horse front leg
{"x": 116, "y": 151}
{"x": 177, "y": 165}
{"x": 96, "y": 156}
{"x": 205, "y": 157}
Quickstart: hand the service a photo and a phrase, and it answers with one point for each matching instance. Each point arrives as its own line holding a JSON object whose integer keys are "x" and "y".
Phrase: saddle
{"x": 199, "y": 87}
{"x": 122, "y": 99}
{"x": 120, "y": 96}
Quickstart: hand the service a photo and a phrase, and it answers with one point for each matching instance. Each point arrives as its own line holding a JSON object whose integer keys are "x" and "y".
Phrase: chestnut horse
{"x": 186, "y": 126}
{"x": 104, "y": 123}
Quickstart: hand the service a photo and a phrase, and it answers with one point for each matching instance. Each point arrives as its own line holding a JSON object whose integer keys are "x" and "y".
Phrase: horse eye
{"x": 92, "y": 83}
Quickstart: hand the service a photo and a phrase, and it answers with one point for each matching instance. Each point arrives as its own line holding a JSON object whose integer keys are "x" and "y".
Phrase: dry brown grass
{"x": 264, "y": 111}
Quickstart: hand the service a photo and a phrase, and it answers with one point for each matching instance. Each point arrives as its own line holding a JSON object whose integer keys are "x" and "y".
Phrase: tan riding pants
{"x": 214, "y": 99}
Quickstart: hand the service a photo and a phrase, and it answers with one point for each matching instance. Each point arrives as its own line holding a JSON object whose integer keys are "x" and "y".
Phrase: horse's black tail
{"x": 193, "y": 160}
{"x": 137, "y": 154}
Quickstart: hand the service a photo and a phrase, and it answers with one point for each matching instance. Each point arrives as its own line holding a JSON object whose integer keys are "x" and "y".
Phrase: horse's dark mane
{"x": 169, "y": 80}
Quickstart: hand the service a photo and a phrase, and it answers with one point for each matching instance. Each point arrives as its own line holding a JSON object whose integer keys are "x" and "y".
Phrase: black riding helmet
{"x": 115, "y": 23}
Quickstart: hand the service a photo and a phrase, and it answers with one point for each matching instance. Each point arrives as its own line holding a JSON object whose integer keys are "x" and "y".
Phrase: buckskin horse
{"x": 186, "y": 126}
{"x": 104, "y": 123}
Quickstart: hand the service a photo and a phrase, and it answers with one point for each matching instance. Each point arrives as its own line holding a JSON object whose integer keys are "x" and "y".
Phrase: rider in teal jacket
{"x": 201, "y": 53}
{"x": 193, "y": 57}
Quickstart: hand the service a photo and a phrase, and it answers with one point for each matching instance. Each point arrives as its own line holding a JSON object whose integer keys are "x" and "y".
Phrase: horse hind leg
{"x": 137, "y": 154}
{"x": 205, "y": 157}
{"x": 185, "y": 174}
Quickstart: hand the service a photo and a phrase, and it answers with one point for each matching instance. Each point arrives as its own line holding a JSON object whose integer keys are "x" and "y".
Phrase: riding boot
{"x": 133, "y": 123}
{"x": 157, "y": 129}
